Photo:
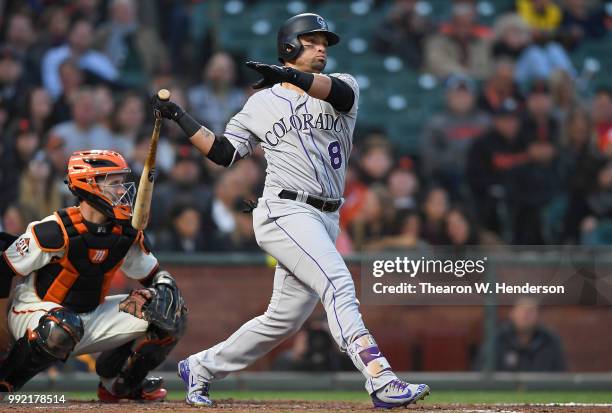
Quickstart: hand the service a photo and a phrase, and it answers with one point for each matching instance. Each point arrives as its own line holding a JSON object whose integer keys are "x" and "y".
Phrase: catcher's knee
{"x": 58, "y": 332}
{"x": 56, "y": 335}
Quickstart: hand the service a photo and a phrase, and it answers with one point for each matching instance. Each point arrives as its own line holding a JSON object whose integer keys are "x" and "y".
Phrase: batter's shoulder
{"x": 259, "y": 96}
{"x": 48, "y": 234}
{"x": 348, "y": 78}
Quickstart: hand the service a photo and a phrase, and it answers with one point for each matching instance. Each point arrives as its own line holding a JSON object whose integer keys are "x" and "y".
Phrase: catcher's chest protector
{"x": 80, "y": 279}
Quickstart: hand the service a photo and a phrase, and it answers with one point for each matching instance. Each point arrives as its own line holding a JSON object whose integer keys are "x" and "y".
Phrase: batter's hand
{"x": 136, "y": 302}
{"x": 272, "y": 74}
{"x": 167, "y": 108}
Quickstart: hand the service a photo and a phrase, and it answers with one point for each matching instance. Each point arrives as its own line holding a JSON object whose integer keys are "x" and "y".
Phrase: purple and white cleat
{"x": 399, "y": 393}
{"x": 197, "y": 387}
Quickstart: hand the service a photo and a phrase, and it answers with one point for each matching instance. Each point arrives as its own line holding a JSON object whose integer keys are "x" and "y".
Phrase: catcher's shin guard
{"x": 56, "y": 335}
{"x": 127, "y": 366}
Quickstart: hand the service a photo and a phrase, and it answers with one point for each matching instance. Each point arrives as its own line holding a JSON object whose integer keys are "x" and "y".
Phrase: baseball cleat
{"x": 150, "y": 390}
{"x": 399, "y": 393}
{"x": 197, "y": 388}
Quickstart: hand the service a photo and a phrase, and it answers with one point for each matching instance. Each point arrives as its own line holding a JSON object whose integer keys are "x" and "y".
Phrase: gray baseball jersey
{"x": 307, "y": 144}
{"x": 305, "y": 140}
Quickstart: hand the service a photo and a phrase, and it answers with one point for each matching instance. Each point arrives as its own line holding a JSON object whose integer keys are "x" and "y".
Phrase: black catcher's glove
{"x": 273, "y": 74}
{"x": 167, "y": 108}
{"x": 166, "y": 310}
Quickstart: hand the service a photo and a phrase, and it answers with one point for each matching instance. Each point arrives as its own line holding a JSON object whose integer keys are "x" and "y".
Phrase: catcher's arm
{"x": 160, "y": 303}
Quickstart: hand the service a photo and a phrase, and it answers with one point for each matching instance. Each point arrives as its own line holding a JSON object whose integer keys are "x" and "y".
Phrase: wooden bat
{"x": 142, "y": 205}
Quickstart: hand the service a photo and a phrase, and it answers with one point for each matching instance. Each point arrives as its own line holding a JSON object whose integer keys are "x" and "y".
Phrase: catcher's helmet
{"x": 87, "y": 174}
{"x": 289, "y": 47}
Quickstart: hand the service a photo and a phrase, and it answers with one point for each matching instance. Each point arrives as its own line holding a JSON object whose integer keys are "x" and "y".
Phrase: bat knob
{"x": 163, "y": 94}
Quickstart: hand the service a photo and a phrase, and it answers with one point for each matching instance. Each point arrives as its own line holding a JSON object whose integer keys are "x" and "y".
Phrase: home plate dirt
{"x": 240, "y": 406}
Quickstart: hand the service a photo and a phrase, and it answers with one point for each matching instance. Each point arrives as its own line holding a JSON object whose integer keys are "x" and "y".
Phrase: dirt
{"x": 240, "y": 406}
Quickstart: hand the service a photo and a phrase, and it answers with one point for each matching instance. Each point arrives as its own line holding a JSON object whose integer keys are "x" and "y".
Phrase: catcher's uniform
{"x": 70, "y": 263}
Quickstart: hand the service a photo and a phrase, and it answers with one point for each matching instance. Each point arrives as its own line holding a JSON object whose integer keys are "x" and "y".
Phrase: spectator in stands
{"x": 407, "y": 235}
{"x": 580, "y": 22}
{"x": 374, "y": 220}
{"x": 563, "y": 93}
{"x": 243, "y": 236}
{"x": 227, "y": 205}
{"x": 38, "y": 188}
{"x": 596, "y": 226}
{"x": 543, "y": 16}
{"x": 56, "y": 24}
{"x": 38, "y": 110}
{"x": 512, "y": 37}
{"x": 524, "y": 344}
{"x": 58, "y": 159}
{"x": 72, "y": 79}
{"x": 136, "y": 51}
{"x": 79, "y": 48}
{"x": 21, "y": 39}
{"x": 493, "y": 160}
{"x": 434, "y": 209}
{"x": 460, "y": 229}
{"x": 128, "y": 119}
{"x": 13, "y": 85}
{"x": 535, "y": 58}
{"x": 184, "y": 185}
{"x": 83, "y": 132}
{"x": 402, "y": 33}
{"x": 164, "y": 162}
{"x": 20, "y": 146}
{"x": 601, "y": 109}
{"x": 403, "y": 187}
{"x": 16, "y": 218}
{"x": 354, "y": 196}
{"x": 581, "y": 162}
{"x": 461, "y": 46}
{"x": 448, "y": 135}
{"x": 217, "y": 99}
{"x": 105, "y": 104}
{"x": 313, "y": 349}
{"x": 26, "y": 142}
{"x": 541, "y": 132}
{"x": 375, "y": 160}
{"x": 499, "y": 86}
{"x": 89, "y": 10}
{"x": 185, "y": 233}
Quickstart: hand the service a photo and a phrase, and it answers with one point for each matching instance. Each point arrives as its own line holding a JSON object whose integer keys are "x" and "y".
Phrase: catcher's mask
{"x": 287, "y": 40}
{"x": 98, "y": 177}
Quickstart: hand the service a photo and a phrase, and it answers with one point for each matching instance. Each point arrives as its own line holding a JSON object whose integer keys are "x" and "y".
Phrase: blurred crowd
{"x": 520, "y": 153}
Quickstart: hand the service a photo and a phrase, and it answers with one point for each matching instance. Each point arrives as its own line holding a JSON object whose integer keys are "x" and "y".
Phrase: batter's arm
{"x": 217, "y": 149}
{"x": 328, "y": 88}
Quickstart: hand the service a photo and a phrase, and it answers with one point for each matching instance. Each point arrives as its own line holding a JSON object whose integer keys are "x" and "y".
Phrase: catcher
{"x": 67, "y": 262}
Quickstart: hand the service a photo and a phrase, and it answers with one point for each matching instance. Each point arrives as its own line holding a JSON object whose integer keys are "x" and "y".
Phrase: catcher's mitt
{"x": 162, "y": 305}
{"x": 166, "y": 310}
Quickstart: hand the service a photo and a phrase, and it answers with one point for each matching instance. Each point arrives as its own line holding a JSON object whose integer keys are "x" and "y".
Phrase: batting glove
{"x": 273, "y": 74}
{"x": 167, "y": 109}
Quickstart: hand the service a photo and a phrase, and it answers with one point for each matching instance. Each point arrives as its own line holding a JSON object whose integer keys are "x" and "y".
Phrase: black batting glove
{"x": 273, "y": 74}
{"x": 167, "y": 109}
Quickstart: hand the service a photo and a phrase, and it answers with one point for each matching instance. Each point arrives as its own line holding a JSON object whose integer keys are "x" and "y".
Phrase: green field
{"x": 443, "y": 396}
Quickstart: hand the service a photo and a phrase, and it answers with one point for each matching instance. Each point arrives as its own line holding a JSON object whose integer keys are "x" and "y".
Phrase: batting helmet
{"x": 288, "y": 44}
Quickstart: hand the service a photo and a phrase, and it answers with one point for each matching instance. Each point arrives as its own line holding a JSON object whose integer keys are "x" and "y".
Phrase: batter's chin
{"x": 319, "y": 65}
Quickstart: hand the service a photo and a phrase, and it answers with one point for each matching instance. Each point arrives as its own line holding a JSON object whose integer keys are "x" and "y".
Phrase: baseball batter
{"x": 66, "y": 262}
{"x": 304, "y": 123}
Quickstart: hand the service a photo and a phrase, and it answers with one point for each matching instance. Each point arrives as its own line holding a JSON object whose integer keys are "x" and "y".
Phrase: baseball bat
{"x": 142, "y": 205}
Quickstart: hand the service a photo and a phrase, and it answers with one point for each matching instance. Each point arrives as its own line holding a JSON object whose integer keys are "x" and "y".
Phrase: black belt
{"x": 319, "y": 203}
